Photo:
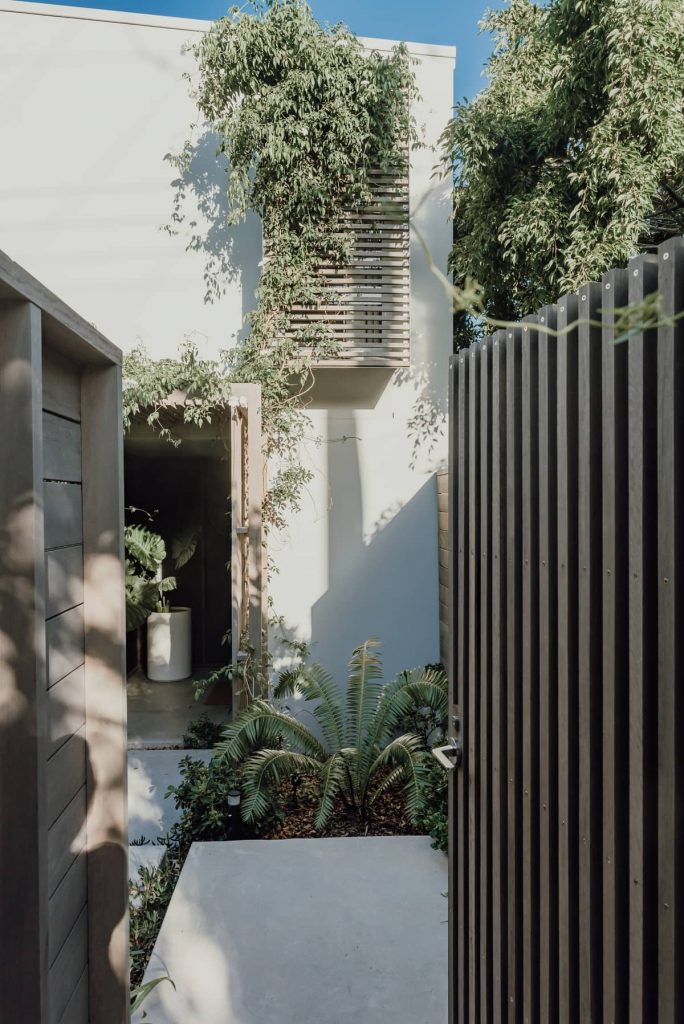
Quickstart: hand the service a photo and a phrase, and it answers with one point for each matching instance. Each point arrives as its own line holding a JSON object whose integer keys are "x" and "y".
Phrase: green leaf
{"x": 140, "y": 994}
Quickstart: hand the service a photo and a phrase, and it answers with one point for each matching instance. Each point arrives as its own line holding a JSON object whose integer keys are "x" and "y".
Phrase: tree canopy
{"x": 571, "y": 159}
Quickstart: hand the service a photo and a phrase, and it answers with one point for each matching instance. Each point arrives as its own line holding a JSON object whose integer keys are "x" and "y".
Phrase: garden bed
{"x": 299, "y": 804}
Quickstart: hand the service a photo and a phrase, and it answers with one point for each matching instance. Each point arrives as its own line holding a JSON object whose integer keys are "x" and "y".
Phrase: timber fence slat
{"x": 473, "y": 761}
{"x": 484, "y": 682}
{"x": 514, "y": 670}
{"x": 566, "y": 612}
{"x": 530, "y": 672}
{"x": 670, "y": 728}
{"x": 499, "y": 834}
{"x": 642, "y": 652}
{"x": 548, "y": 708}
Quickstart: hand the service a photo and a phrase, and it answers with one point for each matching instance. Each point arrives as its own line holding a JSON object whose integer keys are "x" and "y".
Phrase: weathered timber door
{"x": 566, "y": 586}
{"x": 63, "y": 821}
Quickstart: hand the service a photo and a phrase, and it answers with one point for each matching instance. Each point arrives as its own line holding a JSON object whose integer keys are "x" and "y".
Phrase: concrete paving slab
{"x": 305, "y": 931}
{"x": 160, "y": 713}
{"x": 150, "y": 773}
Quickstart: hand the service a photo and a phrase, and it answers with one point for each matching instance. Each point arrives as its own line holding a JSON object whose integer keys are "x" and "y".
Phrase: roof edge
{"x": 189, "y": 24}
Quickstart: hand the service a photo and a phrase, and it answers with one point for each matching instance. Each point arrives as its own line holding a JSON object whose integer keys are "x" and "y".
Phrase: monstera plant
{"x": 147, "y": 590}
{"x": 359, "y": 755}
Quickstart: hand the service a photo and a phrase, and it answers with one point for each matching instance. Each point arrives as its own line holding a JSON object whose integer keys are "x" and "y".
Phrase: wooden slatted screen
{"x": 567, "y": 650}
{"x": 368, "y": 313}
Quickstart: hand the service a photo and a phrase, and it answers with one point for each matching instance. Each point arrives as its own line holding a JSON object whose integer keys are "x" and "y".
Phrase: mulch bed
{"x": 388, "y": 817}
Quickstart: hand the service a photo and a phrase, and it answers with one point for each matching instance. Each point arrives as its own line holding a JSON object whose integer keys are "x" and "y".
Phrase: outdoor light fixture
{"x": 234, "y": 813}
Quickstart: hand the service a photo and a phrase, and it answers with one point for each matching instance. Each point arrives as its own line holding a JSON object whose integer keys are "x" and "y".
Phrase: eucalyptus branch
{"x": 635, "y": 318}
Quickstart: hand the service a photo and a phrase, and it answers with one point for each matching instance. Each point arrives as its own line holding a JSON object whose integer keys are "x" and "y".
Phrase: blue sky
{"x": 433, "y": 21}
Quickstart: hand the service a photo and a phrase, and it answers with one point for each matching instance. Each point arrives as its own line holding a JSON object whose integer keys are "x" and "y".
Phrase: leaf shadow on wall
{"x": 232, "y": 252}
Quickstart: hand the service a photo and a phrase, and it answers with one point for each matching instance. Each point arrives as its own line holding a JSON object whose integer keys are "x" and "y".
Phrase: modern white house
{"x": 92, "y": 104}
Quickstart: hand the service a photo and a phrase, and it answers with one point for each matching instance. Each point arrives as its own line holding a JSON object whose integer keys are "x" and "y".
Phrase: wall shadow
{"x": 380, "y": 584}
{"x": 232, "y": 252}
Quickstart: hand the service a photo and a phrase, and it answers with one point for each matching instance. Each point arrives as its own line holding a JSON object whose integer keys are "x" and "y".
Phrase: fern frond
{"x": 417, "y": 688}
{"x": 363, "y": 690}
{"x": 262, "y": 723}
{"x": 333, "y": 775}
{"x": 322, "y": 687}
{"x": 266, "y": 767}
{"x": 315, "y": 684}
{"x": 395, "y": 776}
{"x": 404, "y": 752}
{"x": 288, "y": 683}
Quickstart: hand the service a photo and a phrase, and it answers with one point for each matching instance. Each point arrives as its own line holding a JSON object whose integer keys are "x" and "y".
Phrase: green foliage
{"x": 146, "y": 586}
{"x": 359, "y": 756}
{"x": 430, "y": 720}
{"x": 432, "y": 810}
{"x": 140, "y": 994}
{"x": 202, "y": 796}
{"x": 302, "y": 115}
{"x": 571, "y": 159}
{"x": 203, "y": 733}
{"x": 149, "y": 896}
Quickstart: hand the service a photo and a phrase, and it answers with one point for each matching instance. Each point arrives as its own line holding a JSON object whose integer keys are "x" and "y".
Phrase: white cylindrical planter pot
{"x": 169, "y": 645}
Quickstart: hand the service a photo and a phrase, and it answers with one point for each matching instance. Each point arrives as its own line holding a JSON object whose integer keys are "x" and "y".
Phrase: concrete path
{"x": 150, "y": 773}
{"x": 305, "y": 931}
{"x": 160, "y": 713}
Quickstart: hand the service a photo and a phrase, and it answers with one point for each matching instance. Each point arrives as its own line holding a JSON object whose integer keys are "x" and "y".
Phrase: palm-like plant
{"x": 359, "y": 756}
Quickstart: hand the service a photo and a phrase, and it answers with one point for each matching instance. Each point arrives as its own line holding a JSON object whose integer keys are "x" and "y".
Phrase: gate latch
{"x": 450, "y": 756}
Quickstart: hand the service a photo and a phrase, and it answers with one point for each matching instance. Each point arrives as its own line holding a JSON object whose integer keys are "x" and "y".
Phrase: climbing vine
{"x": 302, "y": 115}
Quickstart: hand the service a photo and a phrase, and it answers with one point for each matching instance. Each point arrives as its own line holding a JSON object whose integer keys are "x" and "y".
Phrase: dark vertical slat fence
{"x": 567, "y": 667}
{"x": 548, "y": 660}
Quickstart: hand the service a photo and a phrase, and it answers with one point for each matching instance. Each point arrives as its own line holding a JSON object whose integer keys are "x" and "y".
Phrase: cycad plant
{"x": 359, "y": 756}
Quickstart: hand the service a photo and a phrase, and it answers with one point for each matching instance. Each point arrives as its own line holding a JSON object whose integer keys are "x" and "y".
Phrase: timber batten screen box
{"x": 367, "y": 310}
{"x": 63, "y": 845}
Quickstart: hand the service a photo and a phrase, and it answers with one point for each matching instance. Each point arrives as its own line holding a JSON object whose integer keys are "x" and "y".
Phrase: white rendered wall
{"x": 90, "y": 105}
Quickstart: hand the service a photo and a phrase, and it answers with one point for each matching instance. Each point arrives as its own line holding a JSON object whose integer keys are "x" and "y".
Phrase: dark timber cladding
{"x": 62, "y": 756}
{"x": 566, "y": 619}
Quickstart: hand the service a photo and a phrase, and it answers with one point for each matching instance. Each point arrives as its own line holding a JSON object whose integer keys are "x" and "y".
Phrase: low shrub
{"x": 202, "y": 797}
{"x": 203, "y": 733}
{"x": 149, "y": 897}
{"x": 432, "y": 810}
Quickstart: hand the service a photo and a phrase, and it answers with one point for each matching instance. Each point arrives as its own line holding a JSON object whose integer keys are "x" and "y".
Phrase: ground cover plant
{"x": 432, "y": 808}
{"x": 149, "y": 897}
{"x": 360, "y": 755}
{"x": 203, "y": 733}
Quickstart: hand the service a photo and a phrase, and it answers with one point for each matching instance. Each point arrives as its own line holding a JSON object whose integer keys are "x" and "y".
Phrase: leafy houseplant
{"x": 360, "y": 755}
{"x": 169, "y": 653}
